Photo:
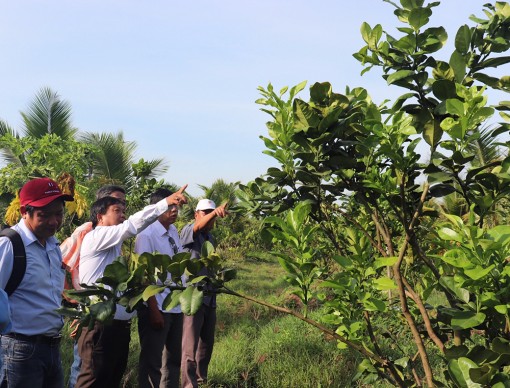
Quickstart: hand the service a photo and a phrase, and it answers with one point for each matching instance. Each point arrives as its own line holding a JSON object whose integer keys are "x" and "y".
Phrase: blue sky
{"x": 180, "y": 77}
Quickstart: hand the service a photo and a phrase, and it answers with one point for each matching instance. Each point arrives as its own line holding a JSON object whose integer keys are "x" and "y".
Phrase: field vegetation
{"x": 374, "y": 251}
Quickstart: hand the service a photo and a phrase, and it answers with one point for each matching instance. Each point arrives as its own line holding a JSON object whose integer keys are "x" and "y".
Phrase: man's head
{"x": 171, "y": 214}
{"x": 42, "y": 207}
{"x": 107, "y": 211}
{"x": 204, "y": 207}
{"x": 111, "y": 191}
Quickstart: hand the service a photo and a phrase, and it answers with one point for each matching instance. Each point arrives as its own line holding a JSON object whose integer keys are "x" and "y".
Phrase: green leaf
{"x": 456, "y": 351}
{"x": 385, "y": 261}
{"x": 193, "y": 266}
{"x": 385, "y": 283}
{"x": 418, "y": 17}
{"x": 399, "y": 75}
{"x": 478, "y": 272}
{"x": 116, "y": 271}
{"x": 441, "y": 190}
{"x": 191, "y": 300}
{"x": 375, "y": 36}
{"x": 365, "y": 30}
{"x": 444, "y": 89}
{"x": 287, "y": 266}
{"x": 152, "y": 290}
{"x": 304, "y": 116}
{"x": 432, "y": 132}
{"x": 103, "y": 311}
{"x": 500, "y": 346}
{"x": 495, "y": 62}
{"x": 481, "y": 375}
{"x": 343, "y": 261}
{"x": 458, "y": 64}
{"x": 207, "y": 249}
{"x": 455, "y": 107}
{"x": 320, "y": 92}
{"x": 459, "y": 372}
{"x": 463, "y": 39}
{"x": 466, "y": 319}
{"x": 450, "y": 284}
{"x": 457, "y": 258}
{"x": 172, "y": 300}
{"x": 449, "y": 234}
{"x": 373, "y": 304}
{"x": 196, "y": 280}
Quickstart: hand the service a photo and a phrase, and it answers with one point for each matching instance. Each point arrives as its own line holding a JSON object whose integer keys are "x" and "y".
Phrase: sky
{"x": 180, "y": 78}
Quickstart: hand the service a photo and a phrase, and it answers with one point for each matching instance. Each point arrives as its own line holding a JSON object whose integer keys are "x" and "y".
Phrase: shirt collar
{"x": 29, "y": 237}
{"x": 160, "y": 229}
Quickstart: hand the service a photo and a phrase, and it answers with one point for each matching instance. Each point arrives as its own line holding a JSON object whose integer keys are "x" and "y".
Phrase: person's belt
{"x": 36, "y": 339}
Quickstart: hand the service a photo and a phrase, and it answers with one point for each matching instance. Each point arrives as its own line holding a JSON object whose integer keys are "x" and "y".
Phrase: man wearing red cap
{"x": 30, "y": 350}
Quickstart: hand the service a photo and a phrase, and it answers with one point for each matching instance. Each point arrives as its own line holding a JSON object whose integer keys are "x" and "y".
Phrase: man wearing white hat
{"x": 198, "y": 329}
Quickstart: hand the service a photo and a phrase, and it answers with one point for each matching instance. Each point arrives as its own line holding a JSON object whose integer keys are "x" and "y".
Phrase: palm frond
{"x": 113, "y": 157}
{"x": 157, "y": 167}
{"x": 7, "y": 153}
{"x": 48, "y": 114}
{"x": 485, "y": 148}
{"x": 220, "y": 191}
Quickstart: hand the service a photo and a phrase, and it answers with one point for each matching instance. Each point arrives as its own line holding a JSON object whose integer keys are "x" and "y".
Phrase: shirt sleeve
{"x": 109, "y": 236}
{"x": 6, "y": 261}
{"x": 187, "y": 238}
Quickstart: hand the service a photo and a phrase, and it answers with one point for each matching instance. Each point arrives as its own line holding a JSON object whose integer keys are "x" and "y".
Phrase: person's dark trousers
{"x": 160, "y": 351}
{"x": 197, "y": 345}
{"x": 31, "y": 362}
{"x": 104, "y": 353}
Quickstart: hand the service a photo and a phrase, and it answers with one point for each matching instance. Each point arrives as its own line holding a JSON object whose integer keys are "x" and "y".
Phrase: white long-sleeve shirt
{"x": 103, "y": 244}
{"x": 156, "y": 239}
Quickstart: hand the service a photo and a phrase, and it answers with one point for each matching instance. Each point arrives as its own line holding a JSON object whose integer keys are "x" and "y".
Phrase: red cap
{"x": 40, "y": 192}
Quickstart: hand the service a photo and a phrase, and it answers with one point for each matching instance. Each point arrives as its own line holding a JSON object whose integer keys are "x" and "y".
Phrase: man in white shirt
{"x": 104, "y": 348}
{"x": 71, "y": 258}
{"x": 160, "y": 330}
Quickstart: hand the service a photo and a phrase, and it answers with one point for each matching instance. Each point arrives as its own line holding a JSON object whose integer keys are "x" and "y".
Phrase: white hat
{"x": 205, "y": 204}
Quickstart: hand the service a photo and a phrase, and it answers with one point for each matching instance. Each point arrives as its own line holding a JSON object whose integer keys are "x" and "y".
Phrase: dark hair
{"x": 107, "y": 190}
{"x": 159, "y": 194}
{"x": 101, "y": 207}
{"x": 29, "y": 209}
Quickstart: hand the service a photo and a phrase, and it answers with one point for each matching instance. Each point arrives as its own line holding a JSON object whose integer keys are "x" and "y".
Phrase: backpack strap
{"x": 19, "y": 263}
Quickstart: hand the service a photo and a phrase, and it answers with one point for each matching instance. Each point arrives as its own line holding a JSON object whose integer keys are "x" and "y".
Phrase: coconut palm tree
{"x": 114, "y": 157}
{"x": 48, "y": 114}
{"x": 221, "y": 191}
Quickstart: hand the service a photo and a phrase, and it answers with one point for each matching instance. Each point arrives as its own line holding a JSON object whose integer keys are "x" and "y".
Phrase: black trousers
{"x": 104, "y": 353}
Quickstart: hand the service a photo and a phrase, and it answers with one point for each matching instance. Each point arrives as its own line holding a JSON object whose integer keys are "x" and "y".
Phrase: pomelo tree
{"x": 354, "y": 201}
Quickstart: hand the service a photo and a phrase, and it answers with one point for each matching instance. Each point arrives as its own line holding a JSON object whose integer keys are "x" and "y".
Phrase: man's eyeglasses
{"x": 173, "y": 244}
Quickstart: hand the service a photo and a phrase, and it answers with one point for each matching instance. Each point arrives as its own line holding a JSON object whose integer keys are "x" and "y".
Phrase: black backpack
{"x": 19, "y": 264}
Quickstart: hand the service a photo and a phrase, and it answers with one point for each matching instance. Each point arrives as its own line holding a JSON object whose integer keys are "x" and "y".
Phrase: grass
{"x": 257, "y": 347}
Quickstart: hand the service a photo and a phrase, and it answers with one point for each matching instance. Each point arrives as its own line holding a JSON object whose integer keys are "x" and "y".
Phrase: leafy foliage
{"x": 357, "y": 168}
{"x": 129, "y": 283}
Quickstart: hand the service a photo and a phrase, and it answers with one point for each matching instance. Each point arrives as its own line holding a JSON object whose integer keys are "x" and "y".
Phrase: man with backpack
{"x": 31, "y": 348}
